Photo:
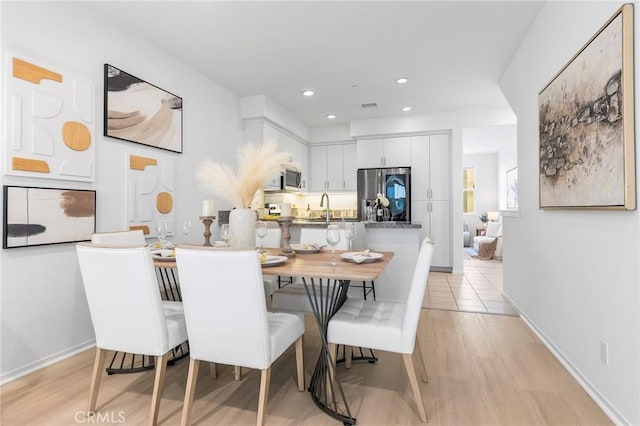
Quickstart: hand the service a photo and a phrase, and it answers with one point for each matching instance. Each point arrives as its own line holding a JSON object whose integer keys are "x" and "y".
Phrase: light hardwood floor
{"x": 483, "y": 370}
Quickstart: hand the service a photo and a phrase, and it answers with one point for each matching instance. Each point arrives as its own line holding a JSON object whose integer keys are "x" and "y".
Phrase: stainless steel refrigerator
{"x": 394, "y": 183}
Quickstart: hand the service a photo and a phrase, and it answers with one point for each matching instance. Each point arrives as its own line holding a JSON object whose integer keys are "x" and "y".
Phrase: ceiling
{"x": 349, "y": 53}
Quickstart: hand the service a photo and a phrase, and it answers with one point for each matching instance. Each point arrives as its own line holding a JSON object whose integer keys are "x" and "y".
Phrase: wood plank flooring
{"x": 483, "y": 370}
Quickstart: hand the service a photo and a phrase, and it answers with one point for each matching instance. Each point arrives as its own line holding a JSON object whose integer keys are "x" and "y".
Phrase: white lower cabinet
{"x": 434, "y": 215}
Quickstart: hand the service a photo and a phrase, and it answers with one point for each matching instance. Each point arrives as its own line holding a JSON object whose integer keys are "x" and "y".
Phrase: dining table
{"x": 326, "y": 286}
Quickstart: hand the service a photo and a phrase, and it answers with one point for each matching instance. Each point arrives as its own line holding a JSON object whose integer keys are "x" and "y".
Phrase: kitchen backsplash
{"x": 341, "y": 204}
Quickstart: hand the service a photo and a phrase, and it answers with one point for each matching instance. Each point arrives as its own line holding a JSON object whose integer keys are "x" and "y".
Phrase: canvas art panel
{"x": 137, "y": 111}
{"x": 512, "y": 188}
{"x": 50, "y": 120}
{"x": 37, "y": 216}
{"x": 586, "y": 124}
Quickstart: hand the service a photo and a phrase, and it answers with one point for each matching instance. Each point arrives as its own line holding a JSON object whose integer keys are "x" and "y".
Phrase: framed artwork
{"x": 38, "y": 216}
{"x": 139, "y": 112}
{"x": 50, "y": 120}
{"x": 586, "y": 115}
{"x": 512, "y": 188}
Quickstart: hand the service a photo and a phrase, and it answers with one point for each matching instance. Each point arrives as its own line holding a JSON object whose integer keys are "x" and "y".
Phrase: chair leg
{"x": 264, "y": 395}
{"x": 420, "y": 360}
{"x": 413, "y": 380}
{"x": 348, "y": 355}
{"x": 300, "y": 363}
{"x": 237, "y": 373}
{"x": 213, "y": 370}
{"x": 192, "y": 378}
{"x": 161, "y": 367}
{"x": 96, "y": 376}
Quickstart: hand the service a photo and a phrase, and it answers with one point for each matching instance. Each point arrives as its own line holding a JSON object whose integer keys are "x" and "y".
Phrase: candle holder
{"x": 285, "y": 223}
{"x": 207, "y": 221}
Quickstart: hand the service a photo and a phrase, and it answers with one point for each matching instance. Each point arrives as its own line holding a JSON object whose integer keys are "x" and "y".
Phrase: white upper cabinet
{"x": 388, "y": 152}
{"x": 298, "y": 150}
{"x": 430, "y": 167}
{"x": 333, "y": 168}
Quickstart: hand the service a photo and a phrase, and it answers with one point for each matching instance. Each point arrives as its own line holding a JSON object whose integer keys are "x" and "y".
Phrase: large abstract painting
{"x": 38, "y": 216}
{"x": 137, "y": 111}
{"x": 586, "y": 124}
{"x": 50, "y": 120}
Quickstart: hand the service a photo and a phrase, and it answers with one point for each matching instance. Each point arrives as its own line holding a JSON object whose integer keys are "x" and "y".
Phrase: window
{"x": 468, "y": 190}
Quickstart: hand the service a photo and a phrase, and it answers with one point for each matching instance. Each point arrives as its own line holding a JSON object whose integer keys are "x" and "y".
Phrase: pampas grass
{"x": 257, "y": 164}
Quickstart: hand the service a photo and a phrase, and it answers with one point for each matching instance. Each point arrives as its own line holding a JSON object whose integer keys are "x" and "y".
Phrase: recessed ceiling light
{"x": 331, "y": 116}
{"x": 407, "y": 108}
{"x": 402, "y": 80}
{"x": 308, "y": 93}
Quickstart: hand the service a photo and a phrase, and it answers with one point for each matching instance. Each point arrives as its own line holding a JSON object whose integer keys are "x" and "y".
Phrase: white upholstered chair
{"x": 131, "y": 238}
{"x": 127, "y": 313}
{"x": 387, "y": 326}
{"x": 227, "y": 318}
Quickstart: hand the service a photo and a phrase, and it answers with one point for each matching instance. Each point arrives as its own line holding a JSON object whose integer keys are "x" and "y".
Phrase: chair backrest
{"x": 132, "y": 238}
{"x": 224, "y": 306}
{"x": 124, "y": 300}
{"x": 273, "y": 239}
{"x": 416, "y": 295}
{"x": 494, "y": 230}
{"x": 319, "y": 236}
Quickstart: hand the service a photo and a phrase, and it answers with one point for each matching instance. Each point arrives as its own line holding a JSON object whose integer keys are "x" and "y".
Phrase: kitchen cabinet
{"x": 333, "y": 167}
{"x": 430, "y": 167}
{"x": 387, "y": 152}
{"x": 258, "y": 130}
{"x": 435, "y": 217}
{"x": 431, "y": 193}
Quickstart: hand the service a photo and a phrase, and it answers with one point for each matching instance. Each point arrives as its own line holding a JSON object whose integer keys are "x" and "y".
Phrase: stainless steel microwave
{"x": 291, "y": 180}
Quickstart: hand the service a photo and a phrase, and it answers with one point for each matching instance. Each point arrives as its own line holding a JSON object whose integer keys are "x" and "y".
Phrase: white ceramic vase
{"x": 242, "y": 228}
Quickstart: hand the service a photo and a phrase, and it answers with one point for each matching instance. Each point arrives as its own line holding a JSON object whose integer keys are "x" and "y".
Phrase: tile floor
{"x": 479, "y": 289}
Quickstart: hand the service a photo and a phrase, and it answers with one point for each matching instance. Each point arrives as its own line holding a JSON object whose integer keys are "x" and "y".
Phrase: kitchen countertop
{"x": 379, "y": 225}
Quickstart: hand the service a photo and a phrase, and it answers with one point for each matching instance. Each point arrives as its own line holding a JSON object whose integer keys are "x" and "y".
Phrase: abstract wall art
{"x": 38, "y": 216}
{"x": 50, "y": 121}
{"x": 512, "y": 188}
{"x": 137, "y": 111}
{"x": 586, "y": 119}
{"x": 150, "y": 189}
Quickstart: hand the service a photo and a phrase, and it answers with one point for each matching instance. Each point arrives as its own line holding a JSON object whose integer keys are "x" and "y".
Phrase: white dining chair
{"x": 135, "y": 237}
{"x": 227, "y": 318}
{"x": 387, "y": 326}
{"x": 127, "y": 313}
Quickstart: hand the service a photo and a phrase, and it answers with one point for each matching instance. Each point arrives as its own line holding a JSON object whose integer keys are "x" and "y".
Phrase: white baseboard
{"x": 602, "y": 402}
{"x": 44, "y": 362}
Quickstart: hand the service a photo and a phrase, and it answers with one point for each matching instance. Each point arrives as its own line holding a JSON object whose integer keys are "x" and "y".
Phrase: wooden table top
{"x": 316, "y": 265}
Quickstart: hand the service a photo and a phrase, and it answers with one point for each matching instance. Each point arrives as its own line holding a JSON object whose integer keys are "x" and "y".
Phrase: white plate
{"x": 219, "y": 243}
{"x": 167, "y": 255}
{"x": 306, "y": 248}
{"x": 273, "y": 260}
{"x": 361, "y": 257}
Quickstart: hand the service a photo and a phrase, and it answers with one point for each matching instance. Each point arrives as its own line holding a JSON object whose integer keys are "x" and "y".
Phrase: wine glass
{"x": 261, "y": 232}
{"x": 186, "y": 228}
{"x": 350, "y": 232}
{"x": 333, "y": 238}
{"x": 161, "y": 232}
{"x": 224, "y": 233}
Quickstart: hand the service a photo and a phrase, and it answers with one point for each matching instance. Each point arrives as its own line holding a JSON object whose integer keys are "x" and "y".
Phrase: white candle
{"x": 207, "y": 208}
{"x": 285, "y": 210}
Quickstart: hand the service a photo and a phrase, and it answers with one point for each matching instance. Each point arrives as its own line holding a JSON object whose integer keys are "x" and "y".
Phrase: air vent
{"x": 369, "y": 105}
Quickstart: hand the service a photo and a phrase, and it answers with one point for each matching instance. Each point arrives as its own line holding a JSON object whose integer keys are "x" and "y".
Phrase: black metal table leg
{"x": 325, "y": 387}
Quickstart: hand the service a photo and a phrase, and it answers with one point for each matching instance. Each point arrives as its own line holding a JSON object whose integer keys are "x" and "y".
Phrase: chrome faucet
{"x": 324, "y": 194}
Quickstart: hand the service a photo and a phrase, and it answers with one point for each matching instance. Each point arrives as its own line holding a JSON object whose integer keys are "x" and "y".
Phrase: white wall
{"x": 43, "y": 307}
{"x": 573, "y": 274}
{"x": 486, "y": 191}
